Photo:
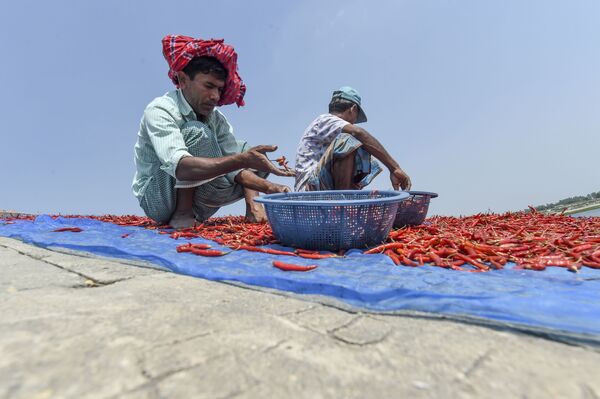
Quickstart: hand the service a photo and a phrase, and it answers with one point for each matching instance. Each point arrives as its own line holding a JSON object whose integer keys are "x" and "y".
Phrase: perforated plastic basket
{"x": 332, "y": 220}
{"x": 413, "y": 211}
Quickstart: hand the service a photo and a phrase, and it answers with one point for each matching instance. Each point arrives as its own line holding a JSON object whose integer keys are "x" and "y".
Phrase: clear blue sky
{"x": 492, "y": 104}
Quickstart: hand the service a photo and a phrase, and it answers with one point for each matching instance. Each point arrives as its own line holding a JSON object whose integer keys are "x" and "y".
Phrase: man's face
{"x": 202, "y": 93}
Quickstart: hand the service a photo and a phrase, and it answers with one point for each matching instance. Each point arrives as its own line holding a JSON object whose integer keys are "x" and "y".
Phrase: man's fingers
{"x": 265, "y": 148}
{"x": 281, "y": 172}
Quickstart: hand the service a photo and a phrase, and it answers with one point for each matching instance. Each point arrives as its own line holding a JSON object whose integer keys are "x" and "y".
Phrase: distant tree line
{"x": 571, "y": 200}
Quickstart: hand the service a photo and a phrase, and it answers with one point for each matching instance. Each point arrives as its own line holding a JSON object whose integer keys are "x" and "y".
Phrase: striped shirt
{"x": 160, "y": 144}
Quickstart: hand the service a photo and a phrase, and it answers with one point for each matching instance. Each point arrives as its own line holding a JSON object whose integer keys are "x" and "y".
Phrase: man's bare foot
{"x": 182, "y": 220}
{"x": 255, "y": 213}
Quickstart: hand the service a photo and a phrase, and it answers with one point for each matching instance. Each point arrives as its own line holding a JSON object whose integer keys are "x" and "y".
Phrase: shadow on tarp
{"x": 554, "y": 303}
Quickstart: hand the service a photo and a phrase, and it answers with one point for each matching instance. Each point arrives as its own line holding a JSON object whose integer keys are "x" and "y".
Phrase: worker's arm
{"x": 253, "y": 182}
{"x": 398, "y": 177}
{"x": 172, "y": 152}
{"x": 198, "y": 168}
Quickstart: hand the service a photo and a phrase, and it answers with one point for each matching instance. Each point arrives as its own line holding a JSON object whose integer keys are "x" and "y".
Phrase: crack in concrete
{"x": 346, "y": 324}
{"x": 96, "y": 282}
{"x": 274, "y": 346}
{"x": 185, "y": 339}
{"x": 146, "y": 374}
{"x": 154, "y": 380}
{"x": 354, "y": 320}
{"x": 362, "y": 344}
{"x": 477, "y": 363}
{"x": 295, "y": 312}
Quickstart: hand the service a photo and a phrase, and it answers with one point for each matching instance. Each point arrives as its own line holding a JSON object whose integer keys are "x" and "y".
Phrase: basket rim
{"x": 396, "y": 196}
{"x": 427, "y": 193}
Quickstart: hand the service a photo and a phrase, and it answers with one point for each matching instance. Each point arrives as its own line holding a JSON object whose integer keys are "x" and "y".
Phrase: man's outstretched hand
{"x": 400, "y": 179}
{"x": 256, "y": 158}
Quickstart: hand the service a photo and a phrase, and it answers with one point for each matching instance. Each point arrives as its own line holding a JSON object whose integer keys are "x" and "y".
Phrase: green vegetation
{"x": 591, "y": 200}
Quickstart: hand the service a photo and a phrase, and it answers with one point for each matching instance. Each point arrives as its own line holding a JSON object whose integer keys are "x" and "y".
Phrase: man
{"x": 335, "y": 154}
{"x": 188, "y": 163}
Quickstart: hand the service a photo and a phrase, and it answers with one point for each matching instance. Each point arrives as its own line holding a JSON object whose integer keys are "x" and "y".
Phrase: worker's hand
{"x": 275, "y": 188}
{"x": 256, "y": 158}
{"x": 400, "y": 179}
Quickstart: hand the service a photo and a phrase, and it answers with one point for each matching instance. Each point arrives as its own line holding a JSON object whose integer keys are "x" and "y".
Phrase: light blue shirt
{"x": 160, "y": 144}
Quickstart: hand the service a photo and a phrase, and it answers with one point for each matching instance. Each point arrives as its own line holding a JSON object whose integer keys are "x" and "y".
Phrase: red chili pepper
{"x": 188, "y": 247}
{"x": 71, "y": 229}
{"x": 207, "y": 252}
{"x": 317, "y": 256}
{"x": 265, "y": 250}
{"x": 590, "y": 264}
{"x": 288, "y": 267}
{"x": 393, "y": 256}
{"x": 472, "y": 261}
{"x": 436, "y": 259}
{"x": 408, "y": 262}
{"x": 125, "y": 235}
{"x": 184, "y": 248}
{"x": 581, "y": 248}
{"x": 497, "y": 265}
{"x": 383, "y": 247}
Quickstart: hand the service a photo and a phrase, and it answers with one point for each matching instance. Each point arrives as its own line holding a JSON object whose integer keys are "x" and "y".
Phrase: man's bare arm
{"x": 198, "y": 168}
{"x": 253, "y": 182}
{"x": 373, "y": 146}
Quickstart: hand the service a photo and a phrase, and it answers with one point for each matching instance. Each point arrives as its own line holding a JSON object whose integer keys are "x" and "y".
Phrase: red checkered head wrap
{"x": 179, "y": 50}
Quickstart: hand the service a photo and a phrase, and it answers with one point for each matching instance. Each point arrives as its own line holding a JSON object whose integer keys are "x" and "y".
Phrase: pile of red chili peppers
{"x": 488, "y": 241}
{"x": 477, "y": 243}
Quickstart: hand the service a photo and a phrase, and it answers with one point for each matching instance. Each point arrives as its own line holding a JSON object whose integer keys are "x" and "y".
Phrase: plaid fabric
{"x": 179, "y": 50}
{"x": 160, "y": 195}
{"x": 365, "y": 168}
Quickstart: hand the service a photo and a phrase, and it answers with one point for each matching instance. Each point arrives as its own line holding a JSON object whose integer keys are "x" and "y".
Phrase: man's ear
{"x": 182, "y": 78}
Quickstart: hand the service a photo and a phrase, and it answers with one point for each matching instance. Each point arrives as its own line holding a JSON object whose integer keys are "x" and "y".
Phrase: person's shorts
{"x": 365, "y": 168}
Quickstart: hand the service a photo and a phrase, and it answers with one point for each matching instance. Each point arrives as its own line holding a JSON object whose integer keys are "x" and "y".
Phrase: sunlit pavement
{"x": 81, "y": 327}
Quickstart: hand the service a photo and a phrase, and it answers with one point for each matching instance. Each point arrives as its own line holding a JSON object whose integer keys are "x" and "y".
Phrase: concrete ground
{"x": 81, "y": 327}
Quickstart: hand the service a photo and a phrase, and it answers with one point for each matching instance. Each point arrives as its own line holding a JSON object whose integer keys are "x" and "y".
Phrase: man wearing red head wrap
{"x": 188, "y": 162}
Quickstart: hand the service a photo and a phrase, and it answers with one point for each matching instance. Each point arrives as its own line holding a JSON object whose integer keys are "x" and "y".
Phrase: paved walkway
{"x": 79, "y": 327}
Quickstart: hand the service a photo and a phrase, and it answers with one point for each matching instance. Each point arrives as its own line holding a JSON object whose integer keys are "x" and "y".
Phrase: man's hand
{"x": 255, "y": 158}
{"x": 400, "y": 179}
{"x": 275, "y": 188}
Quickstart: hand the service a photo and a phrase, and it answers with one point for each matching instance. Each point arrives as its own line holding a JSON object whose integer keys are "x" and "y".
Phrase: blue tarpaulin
{"x": 554, "y": 300}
